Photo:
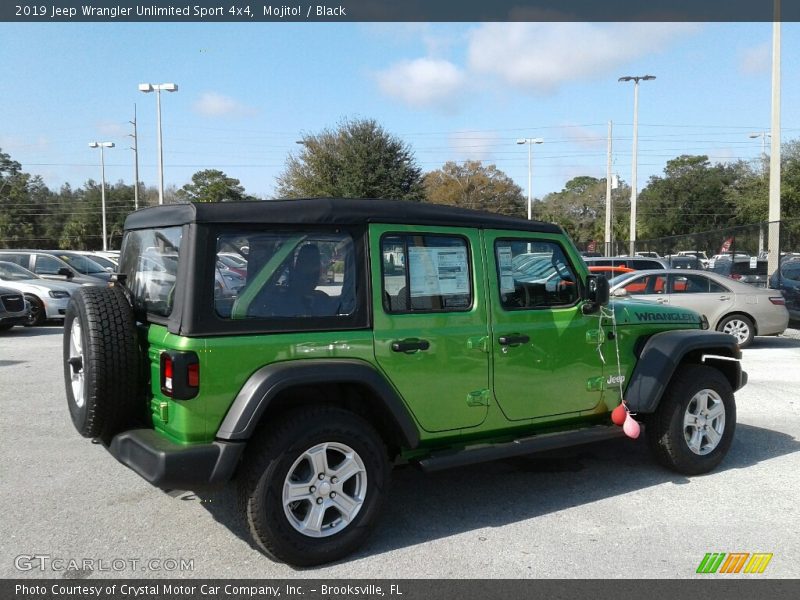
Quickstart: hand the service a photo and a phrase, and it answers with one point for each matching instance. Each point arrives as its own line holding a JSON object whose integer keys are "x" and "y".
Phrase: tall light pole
{"x": 157, "y": 88}
{"x": 530, "y": 142}
{"x": 774, "y": 241}
{"x": 102, "y": 145}
{"x": 135, "y": 149}
{"x": 634, "y": 192}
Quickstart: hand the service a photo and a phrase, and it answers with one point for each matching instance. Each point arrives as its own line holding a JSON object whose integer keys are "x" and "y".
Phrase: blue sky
{"x": 451, "y": 91}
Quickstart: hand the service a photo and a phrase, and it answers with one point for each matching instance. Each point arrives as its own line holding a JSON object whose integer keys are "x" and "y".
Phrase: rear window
{"x": 149, "y": 259}
{"x": 744, "y": 268}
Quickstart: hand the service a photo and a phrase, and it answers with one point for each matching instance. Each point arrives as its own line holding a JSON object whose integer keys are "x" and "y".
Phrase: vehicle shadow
{"x": 20, "y": 331}
{"x": 423, "y": 507}
{"x": 775, "y": 342}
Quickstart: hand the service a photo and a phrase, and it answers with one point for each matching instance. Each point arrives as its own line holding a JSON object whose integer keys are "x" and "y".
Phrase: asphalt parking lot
{"x": 603, "y": 510}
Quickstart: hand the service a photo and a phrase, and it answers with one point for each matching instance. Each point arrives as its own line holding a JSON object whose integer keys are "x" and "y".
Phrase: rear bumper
{"x": 175, "y": 466}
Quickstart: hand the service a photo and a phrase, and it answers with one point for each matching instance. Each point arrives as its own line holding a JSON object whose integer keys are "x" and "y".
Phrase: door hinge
{"x": 480, "y": 343}
{"x": 478, "y": 398}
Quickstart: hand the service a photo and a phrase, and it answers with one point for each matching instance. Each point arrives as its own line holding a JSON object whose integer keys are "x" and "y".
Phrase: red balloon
{"x": 618, "y": 415}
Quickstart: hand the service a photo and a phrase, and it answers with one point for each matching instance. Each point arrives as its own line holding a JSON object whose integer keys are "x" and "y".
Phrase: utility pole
{"x": 609, "y": 219}
{"x": 135, "y": 149}
{"x": 774, "y": 241}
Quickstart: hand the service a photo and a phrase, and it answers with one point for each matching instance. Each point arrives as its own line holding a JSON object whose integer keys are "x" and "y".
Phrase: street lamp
{"x": 102, "y": 145}
{"x": 763, "y": 135}
{"x": 634, "y": 193}
{"x": 530, "y": 142}
{"x": 157, "y": 88}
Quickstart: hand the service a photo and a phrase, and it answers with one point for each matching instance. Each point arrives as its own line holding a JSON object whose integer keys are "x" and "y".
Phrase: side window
{"x": 717, "y": 288}
{"x": 47, "y": 265}
{"x": 425, "y": 273}
{"x": 649, "y": 284}
{"x": 689, "y": 284}
{"x": 534, "y": 274}
{"x": 17, "y": 259}
{"x": 283, "y": 274}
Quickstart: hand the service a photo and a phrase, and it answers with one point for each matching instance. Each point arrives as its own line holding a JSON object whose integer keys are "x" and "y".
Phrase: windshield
{"x": 11, "y": 272}
{"x": 80, "y": 263}
{"x": 620, "y": 278}
{"x": 149, "y": 260}
{"x": 104, "y": 262}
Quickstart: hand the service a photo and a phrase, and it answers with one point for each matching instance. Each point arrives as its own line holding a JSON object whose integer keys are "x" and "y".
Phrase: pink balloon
{"x": 631, "y": 427}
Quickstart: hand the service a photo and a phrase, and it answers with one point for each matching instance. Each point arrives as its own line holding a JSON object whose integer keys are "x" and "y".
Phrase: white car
{"x": 48, "y": 298}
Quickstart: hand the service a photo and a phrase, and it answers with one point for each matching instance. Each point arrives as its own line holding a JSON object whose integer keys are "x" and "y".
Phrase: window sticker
{"x": 506, "y": 274}
{"x": 438, "y": 271}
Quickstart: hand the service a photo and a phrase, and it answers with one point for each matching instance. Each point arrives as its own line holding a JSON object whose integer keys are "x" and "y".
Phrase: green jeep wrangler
{"x": 303, "y": 347}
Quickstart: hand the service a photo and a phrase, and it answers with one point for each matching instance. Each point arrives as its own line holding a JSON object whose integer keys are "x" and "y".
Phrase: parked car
{"x": 746, "y": 270}
{"x": 684, "y": 261}
{"x": 648, "y": 254}
{"x": 108, "y": 262}
{"x": 306, "y": 391}
{"x": 698, "y": 254}
{"x": 83, "y": 264}
{"x": 48, "y": 299}
{"x": 789, "y": 284}
{"x": 609, "y": 272}
{"x": 14, "y": 310}
{"x": 637, "y": 263}
{"x": 732, "y": 307}
{"x": 48, "y": 266}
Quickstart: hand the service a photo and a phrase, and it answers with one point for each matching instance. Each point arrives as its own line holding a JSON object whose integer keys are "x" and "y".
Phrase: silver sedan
{"x": 739, "y": 309}
{"x": 48, "y": 298}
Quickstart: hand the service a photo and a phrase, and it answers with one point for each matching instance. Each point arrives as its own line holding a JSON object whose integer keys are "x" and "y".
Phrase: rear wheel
{"x": 312, "y": 485}
{"x": 693, "y": 426}
{"x": 101, "y": 363}
{"x": 740, "y": 327}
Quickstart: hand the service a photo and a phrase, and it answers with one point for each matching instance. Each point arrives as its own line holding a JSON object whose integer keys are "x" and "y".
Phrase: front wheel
{"x": 692, "y": 429}
{"x": 312, "y": 485}
{"x": 38, "y": 314}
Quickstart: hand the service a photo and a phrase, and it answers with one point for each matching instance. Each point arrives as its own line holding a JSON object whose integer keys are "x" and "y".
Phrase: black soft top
{"x": 327, "y": 211}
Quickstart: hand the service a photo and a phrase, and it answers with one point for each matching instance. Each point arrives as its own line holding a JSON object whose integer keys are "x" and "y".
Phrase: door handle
{"x": 661, "y": 300}
{"x": 723, "y": 298}
{"x": 513, "y": 339}
{"x": 410, "y": 345}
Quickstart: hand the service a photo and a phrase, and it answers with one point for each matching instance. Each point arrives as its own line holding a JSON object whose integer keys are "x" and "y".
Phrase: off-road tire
{"x": 112, "y": 399}
{"x": 742, "y": 321}
{"x": 38, "y": 313}
{"x": 665, "y": 428}
{"x": 272, "y": 453}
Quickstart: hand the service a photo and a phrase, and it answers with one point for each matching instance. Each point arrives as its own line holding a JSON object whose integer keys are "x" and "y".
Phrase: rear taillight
{"x": 779, "y": 300}
{"x": 180, "y": 374}
{"x": 166, "y": 374}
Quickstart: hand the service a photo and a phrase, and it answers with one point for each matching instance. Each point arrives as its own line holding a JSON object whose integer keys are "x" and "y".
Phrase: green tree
{"x": 692, "y": 196}
{"x": 472, "y": 185}
{"x": 357, "y": 159}
{"x": 212, "y": 185}
{"x": 580, "y": 208}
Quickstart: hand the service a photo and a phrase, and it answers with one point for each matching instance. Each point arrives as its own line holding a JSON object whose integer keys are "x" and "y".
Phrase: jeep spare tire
{"x": 101, "y": 363}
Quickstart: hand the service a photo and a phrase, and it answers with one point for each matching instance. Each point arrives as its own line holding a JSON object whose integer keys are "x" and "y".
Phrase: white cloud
{"x": 585, "y": 137}
{"x": 475, "y": 145}
{"x": 540, "y": 57}
{"x": 756, "y": 60}
{"x": 423, "y": 83}
{"x": 213, "y": 104}
{"x": 112, "y": 129}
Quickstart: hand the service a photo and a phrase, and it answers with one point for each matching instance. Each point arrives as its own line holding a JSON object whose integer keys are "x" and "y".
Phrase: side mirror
{"x": 597, "y": 294}
{"x": 65, "y": 272}
{"x": 598, "y": 289}
{"x": 619, "y": 292}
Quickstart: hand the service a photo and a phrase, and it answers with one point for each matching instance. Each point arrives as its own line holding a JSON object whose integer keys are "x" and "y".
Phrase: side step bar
{"x": 529, "y": 445}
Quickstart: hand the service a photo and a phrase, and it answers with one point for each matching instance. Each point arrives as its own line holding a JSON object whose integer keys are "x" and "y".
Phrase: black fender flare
{"x": 267, "y": 382}
{"x": 665, "y": 351}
